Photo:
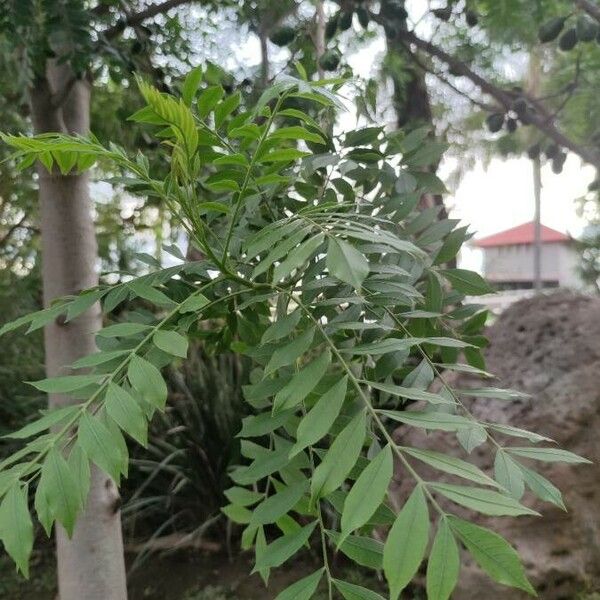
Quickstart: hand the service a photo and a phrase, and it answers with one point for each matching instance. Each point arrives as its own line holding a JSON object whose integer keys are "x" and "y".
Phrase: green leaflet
{"x": 443, "y": 565}
{"x": 467, "y": 282}
{"x": 399, "y": 344}
{"x": 282, "y": 327}
{"x": 410, "y": 393}
{"x": 429, "y": 420}
{"x": 542, "y": 488}
{"x": 297, "y": 257}
{"x": 283, "y": 548}
{"x": 351, "y": 591}
{"x": 146, "y": 379}
{"x": 286, "y": 355}
{"x": 472, "y": 437}
{"x": 548, "y": 455}
{"x": 317, "y": 423}
{"x": 264, "y": 465}
{"x": 452, "y": 465}
{"x": 258, "y": 425}
{"x": 367, "y": 493}
{"x": 346, "y": 263}
{"x": 47, "y": 420}
{"x": 302, "y": 383}
{"x": 242, "y": 497}
{"x": 58, "y": 495}
{"x": 406, "y": 543}
{"x": 66, "y": 384}
{"x": 365, "y": 551}
{"x": 171, "y": 342}
{"x": 492, "y": 553}
{"x": 16, "y": 528}
{"x": 302, "y": 589}
{"x": 487, "y": 502}
{"x": 126, "y": 412}
{"x": 100, "y": 445}
{"x": 279, "y": 504}
{"x": 340, "y": 458}
{"x": 508, "y": 474}
{"x": 123, "y": 330}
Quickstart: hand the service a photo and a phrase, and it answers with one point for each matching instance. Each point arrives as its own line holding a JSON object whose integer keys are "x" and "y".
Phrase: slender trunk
{"x": 91, "y": 564}
{"x": 264, "y": 57}
{"x": 319, "y": 38}
{"x": 537, "y": 246}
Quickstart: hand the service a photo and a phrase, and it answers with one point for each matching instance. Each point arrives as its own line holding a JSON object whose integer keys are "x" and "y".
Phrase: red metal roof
{"x": 521, "y": 234}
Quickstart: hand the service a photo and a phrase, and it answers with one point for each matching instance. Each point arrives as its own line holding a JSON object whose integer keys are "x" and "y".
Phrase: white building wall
{"x": 515, "y": 263}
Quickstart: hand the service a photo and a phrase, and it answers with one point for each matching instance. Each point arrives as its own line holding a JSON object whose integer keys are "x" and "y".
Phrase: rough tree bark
{"x": 91, "y": 564}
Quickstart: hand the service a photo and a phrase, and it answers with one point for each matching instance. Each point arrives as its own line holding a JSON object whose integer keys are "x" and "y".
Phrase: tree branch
{"x": 540, "y": 119}
{"x": 138, "y": 18}
{"x": 591, "y": 8}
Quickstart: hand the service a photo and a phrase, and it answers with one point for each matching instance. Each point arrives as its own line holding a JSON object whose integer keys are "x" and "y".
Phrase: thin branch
{"x": 540, "y": 119}
{"x": 591, "y": 8}
{"x": 138, "y": 18}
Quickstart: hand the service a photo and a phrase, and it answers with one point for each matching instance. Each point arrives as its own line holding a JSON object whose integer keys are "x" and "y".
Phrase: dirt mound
{"x": 548, "y": 346}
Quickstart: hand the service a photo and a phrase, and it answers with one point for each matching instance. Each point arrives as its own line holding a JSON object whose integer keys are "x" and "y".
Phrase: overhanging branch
{"x": 539, "y": 118}
{"x": 138, "y": 18}
{"x": 589, "y": 7}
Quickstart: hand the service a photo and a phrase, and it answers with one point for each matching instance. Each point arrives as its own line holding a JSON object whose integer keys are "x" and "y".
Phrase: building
{"x": 508, "y": 258}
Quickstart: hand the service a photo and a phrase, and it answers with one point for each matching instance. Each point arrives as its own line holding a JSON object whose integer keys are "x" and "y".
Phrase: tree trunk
{"x": 91, "y": 564}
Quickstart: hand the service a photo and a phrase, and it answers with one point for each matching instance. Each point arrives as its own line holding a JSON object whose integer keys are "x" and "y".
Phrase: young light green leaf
{"x": 100, "y": 446}
{"x": 126, "y": 412}
{"x": 58, "y": 490}
{"x": 486, "y": 502}
{"x": 508, "y": 474}
{"x": 340, "y": 458}
{"x": 16, "y": 527}
{"x": 548, "y": 455}
{"x": 367, "y": 493}
{"x": 406, "y": 543}
{"x": 443, "y": 565}
{"x": 451, "y": 464}
{"x": 283, "y": 548}
{"x": 321, "y": 416}
{"x": 147, "y": 381}
{"x": 171, "y": 342}
{"x": 346, "y": 263}
{"x": 492, "y": 553}
{"x": 190, "y": 85}
{"x": 351, "y": 591}
{"x": 286, "y": 355}
{"x": 303, "y": 589}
